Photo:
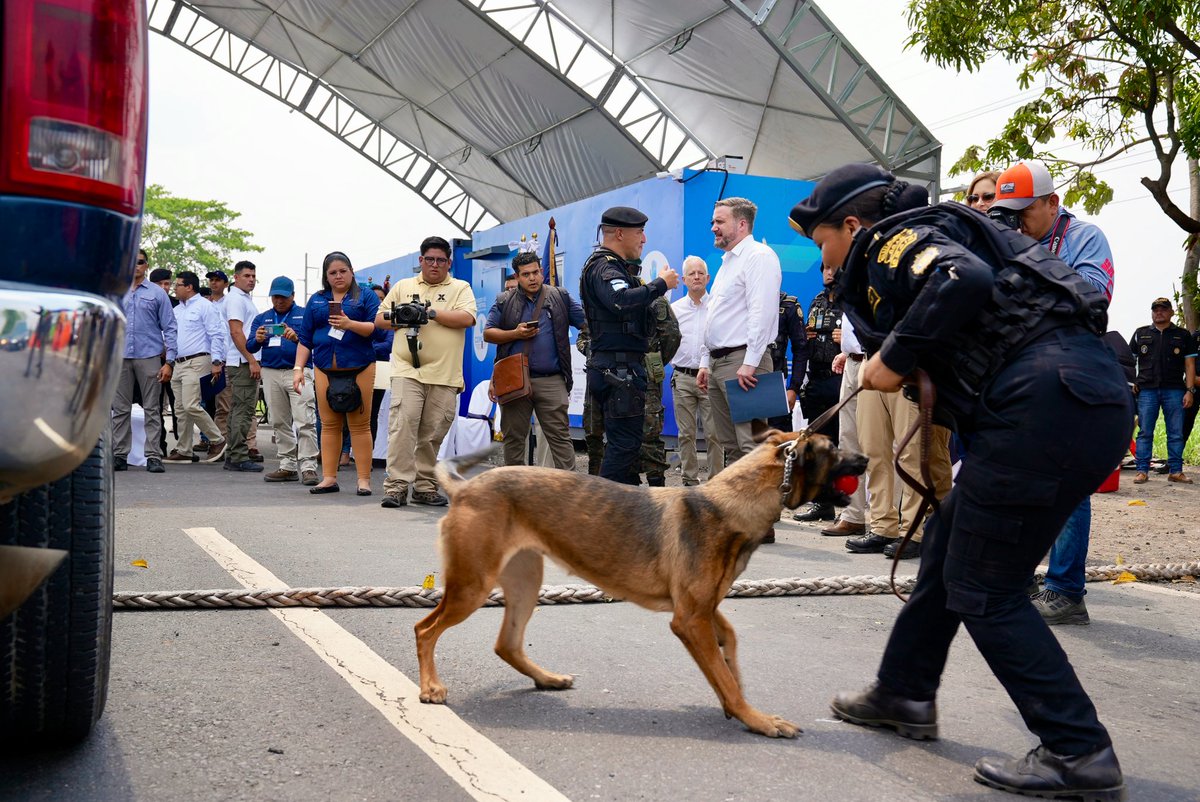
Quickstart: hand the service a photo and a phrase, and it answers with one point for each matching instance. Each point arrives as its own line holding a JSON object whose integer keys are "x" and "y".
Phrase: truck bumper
{"x": 59, "y": 364}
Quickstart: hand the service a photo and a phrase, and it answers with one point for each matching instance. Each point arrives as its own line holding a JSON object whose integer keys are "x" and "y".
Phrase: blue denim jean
{"x": 1068, "y": 555}
{"x": 1149, "y": 401}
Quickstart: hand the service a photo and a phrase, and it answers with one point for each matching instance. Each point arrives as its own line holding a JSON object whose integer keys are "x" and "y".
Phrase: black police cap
{"x": 834, "y": 191}
{"x": 623, "y": 217}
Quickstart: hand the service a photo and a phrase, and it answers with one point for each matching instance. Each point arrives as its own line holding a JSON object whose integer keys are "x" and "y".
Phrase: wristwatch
{"x": 432, "y": 313}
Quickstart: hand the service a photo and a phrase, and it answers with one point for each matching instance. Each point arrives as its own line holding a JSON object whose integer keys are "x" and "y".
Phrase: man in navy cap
{"x": 293, "y": 414}
{"x": 616, "y": 303}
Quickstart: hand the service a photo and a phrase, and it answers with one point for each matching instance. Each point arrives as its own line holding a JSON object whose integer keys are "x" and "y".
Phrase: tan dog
{"x": 676, "y": 549}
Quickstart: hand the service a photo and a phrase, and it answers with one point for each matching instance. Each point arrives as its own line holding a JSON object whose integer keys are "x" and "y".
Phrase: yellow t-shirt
{"x": 441, "y": 346}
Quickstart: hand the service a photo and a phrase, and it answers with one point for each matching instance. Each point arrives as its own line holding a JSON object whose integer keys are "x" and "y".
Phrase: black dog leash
{"x": 927, "y": 396}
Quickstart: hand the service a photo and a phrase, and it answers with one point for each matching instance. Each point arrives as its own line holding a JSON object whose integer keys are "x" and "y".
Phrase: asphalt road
{"x": 254, "y": 705}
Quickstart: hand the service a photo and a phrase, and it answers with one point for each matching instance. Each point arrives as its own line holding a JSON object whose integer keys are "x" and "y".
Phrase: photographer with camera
{"x": 337, "y": 330}
{"x": 434, "y": 311}
{"x": 275, "y": 337}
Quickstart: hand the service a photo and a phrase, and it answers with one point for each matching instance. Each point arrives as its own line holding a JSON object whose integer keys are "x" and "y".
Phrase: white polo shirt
{"x": 238, "y": 306}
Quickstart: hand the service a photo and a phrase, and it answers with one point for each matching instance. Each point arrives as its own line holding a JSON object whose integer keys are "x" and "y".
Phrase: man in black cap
{"x": 616, "y": 303}
{"x": 1166, "y": 380}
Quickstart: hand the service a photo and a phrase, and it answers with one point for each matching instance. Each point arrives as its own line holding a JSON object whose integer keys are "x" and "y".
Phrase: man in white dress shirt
{"x": 203, "y": 340}
{"x": 743, "y": 318}
{"x": 690, "y": 403}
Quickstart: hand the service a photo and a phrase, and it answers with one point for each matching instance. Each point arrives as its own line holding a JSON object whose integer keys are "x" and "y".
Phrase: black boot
{"x": 876, "y": 707}
{"x": 1094, "y": 777}
{"x": 815, "y": 512}
{"x": 656, "y": 481}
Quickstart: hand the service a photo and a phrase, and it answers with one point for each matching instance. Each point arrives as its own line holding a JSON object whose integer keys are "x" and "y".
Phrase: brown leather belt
{"x": 718, "y": 353}
{"x": 688, "y": 371}
{"x": 856, "y": 357}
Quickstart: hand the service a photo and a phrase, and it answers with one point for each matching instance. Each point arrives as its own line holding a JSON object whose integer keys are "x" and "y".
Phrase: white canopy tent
{"x": 496, "y": 109}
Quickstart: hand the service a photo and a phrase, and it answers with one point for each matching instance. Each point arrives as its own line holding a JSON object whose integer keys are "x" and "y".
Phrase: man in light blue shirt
{"x": 149, "y": 336}
{"x": 1028, "y": 189}
{"x": 202, "y": 343}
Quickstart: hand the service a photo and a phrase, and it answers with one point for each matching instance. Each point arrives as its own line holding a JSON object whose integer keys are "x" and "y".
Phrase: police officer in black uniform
{"x": 791, "y": 331}
{"x": 1166, "y": 379}
{"x": 824, "y": 387}
{"x": 1013, "y": 346}
{"x": 616, "y": 305}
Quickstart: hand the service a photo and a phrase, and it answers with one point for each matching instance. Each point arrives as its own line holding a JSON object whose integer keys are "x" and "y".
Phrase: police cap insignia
{"x": 923, "y": 260}
{"x": 894, "y": 248}
{"x": 623, "y": 217}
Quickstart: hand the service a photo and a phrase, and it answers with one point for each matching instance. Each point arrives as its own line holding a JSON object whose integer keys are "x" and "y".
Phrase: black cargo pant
{"x": 818, "y": 395}
{"x": 1048, "y": 430}
{"x": 619, "y": 389}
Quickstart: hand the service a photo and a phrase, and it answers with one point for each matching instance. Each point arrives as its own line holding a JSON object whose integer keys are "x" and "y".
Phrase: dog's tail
{"x": 449, "y": 471}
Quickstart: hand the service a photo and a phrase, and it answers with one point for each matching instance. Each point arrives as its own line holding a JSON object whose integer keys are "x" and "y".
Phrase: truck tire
{"x": 54, "y": 650}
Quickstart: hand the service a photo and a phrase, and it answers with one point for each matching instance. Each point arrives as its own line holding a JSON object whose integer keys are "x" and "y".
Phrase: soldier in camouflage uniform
{"x": 664, "y": 342}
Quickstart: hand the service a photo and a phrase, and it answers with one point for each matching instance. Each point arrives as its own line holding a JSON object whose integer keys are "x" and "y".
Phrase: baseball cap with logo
{"x": 1022, "y": 184}
{"x": 1161, "y": 302}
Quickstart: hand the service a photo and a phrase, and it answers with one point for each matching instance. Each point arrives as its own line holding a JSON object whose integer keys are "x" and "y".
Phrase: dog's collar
{"x": 793, "y": 458}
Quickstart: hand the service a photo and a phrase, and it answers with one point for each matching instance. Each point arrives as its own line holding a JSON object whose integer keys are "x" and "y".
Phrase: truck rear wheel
{"x": 54, "y": 650}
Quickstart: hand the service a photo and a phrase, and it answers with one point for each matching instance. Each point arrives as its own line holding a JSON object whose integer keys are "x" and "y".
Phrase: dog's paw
{"x": 554, "y": 682}
{"x": 434, "y": 694}
{"x": 773, "y": 726}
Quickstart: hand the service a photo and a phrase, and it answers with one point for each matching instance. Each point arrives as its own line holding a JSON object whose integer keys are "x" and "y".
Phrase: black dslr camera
{"x": 1008, "y": 217}
{"x": 412, "y": 316}
{"x": 409, "y": 315}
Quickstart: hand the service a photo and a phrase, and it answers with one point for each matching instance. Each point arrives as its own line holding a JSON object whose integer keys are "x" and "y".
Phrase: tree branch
{"x": 1168, "y": 25}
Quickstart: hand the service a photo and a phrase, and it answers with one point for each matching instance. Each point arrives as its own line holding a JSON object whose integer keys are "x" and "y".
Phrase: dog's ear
{"x": 771, "y": 435}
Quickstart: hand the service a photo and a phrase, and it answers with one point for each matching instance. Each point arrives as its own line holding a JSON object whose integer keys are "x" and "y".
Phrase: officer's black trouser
{"x": 820, "y": 395}
{"x": 622, "y": 397}
{"x": 1047, "y": 431}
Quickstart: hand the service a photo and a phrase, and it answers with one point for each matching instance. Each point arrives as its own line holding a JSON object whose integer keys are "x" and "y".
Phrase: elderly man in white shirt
{"x": 202, "y": 337}
{"x": 690, "y": 402}
{"x": 743, "y": 319}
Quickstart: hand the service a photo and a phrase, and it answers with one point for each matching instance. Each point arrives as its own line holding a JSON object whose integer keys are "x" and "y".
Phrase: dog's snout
{"x": 850, "y": 463}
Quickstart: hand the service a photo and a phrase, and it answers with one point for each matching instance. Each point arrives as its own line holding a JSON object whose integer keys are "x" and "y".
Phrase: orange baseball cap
{"x": 1022, "y": 184}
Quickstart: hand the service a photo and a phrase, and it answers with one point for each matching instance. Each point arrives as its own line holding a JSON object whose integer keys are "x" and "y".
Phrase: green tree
{"x": 185, "y": 234}
{"x": 1115, "y": 75}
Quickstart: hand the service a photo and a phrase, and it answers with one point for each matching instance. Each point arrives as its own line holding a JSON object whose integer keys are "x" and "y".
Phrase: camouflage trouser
{"x": 593, "y": 434}
{"x": 652, "y": 460}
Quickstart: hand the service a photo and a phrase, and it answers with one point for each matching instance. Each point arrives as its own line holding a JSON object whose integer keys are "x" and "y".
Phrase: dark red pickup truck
{"x": 72, "y": 175}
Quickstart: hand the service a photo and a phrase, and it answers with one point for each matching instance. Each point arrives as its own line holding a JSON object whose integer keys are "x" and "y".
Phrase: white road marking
{"x": 484, "y": 770}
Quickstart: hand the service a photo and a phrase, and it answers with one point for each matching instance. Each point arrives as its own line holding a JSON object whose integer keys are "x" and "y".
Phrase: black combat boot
{"x": 877, "y": 707}
{"x": 1094, "y": 777}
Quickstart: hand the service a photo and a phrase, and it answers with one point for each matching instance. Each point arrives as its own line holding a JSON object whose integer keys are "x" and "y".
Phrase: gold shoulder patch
{"x": 923, "y": 260}
{"x": 894, "y": 248}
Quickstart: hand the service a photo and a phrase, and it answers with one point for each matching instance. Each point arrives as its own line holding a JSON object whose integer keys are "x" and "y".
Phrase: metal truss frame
{"x": 308, "y": 94}
{"x": 833, "y": 70}
{"x": 622, "y": 97}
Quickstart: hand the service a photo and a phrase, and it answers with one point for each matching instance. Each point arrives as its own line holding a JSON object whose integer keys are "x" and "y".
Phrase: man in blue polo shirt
{"x": 293, "y": 414}
{"x": 1027, "y": 189}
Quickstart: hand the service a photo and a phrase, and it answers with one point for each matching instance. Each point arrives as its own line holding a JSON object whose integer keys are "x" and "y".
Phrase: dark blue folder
{"x": 766, "y": 399}
{"x": 210, "y": 389}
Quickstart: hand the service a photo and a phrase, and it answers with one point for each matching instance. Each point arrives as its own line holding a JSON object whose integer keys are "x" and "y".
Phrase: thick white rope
{"x": 563, "y": 594}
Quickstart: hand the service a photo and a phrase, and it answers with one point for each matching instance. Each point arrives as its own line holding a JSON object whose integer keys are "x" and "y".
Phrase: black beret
{"x": 834, "y": 191}
{"x": 623, "y": 217}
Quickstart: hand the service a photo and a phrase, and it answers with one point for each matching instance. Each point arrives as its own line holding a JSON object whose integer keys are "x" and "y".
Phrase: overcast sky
{"x": 303, "y": 193}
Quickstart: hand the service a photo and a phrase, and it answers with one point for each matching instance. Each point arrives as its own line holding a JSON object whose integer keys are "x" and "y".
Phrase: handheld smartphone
{"x": 533, "y": 324}
{"x": 277, "y": 329}
{"x": 335, "y": 308}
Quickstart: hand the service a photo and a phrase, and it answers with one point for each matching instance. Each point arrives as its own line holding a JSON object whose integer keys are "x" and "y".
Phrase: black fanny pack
{"x": 343, "y": 394}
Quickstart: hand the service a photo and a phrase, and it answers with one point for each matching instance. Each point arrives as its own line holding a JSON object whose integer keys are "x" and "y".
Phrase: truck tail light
{"x": 73, "y": 111}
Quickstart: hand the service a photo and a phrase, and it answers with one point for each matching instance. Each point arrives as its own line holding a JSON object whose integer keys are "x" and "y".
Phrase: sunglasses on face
{"x": 986, "y": 197}
{"x": 141, "y": 261}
